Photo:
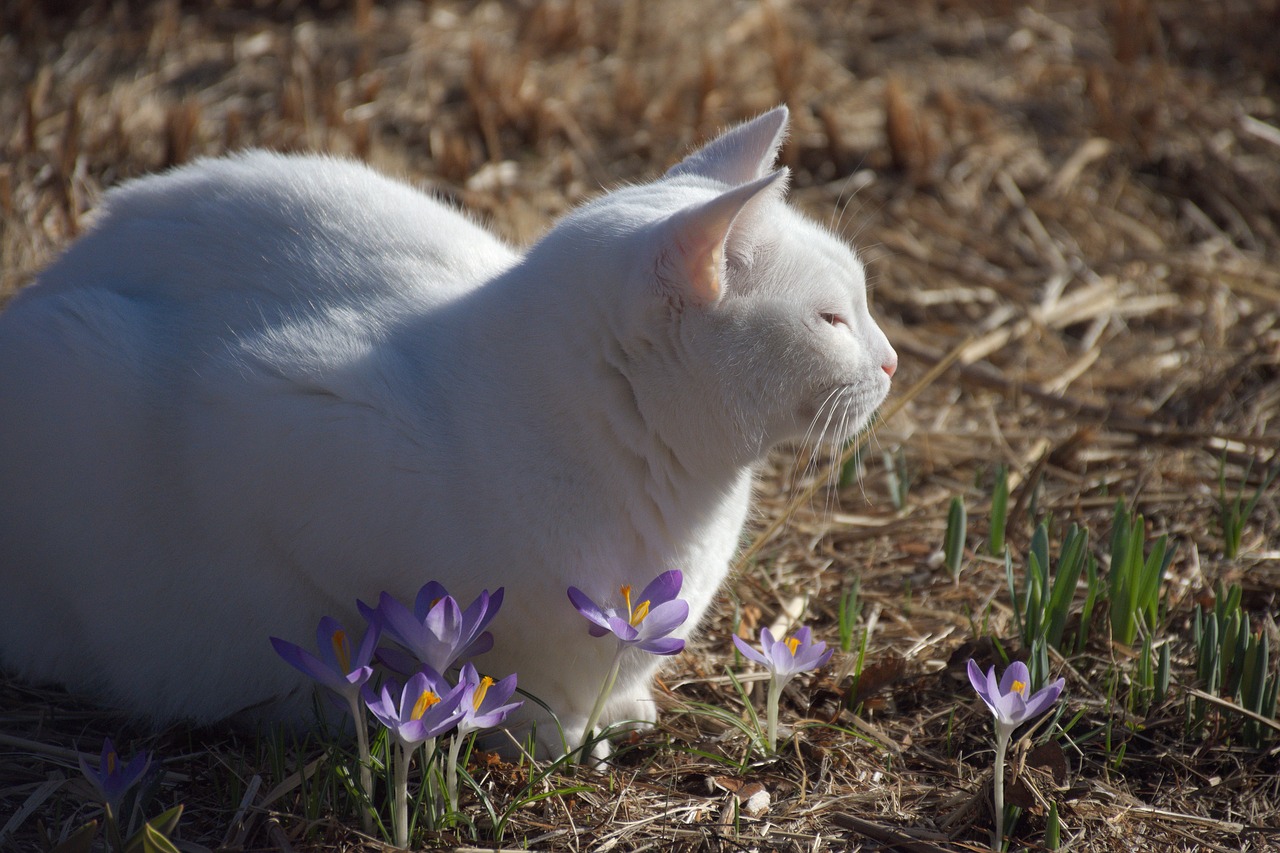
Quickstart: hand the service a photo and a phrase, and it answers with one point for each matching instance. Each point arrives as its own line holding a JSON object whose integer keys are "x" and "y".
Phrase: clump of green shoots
{"x": 1234, "y": 662}
{"x": 848, "y": 609}
{"x": 1134, "y": 580}
{"x": 1042, "y": 606}
{"x": 1233, "y": 511}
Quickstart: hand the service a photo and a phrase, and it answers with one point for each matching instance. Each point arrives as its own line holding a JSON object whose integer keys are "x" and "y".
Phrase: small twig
{"x": 45, "y": 749}
{"x": 915, "y": 841}
{"x": 1232, "y": 706}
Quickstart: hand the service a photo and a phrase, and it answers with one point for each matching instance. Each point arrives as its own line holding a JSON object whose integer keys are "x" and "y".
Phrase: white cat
{"x": 262, "y": 387}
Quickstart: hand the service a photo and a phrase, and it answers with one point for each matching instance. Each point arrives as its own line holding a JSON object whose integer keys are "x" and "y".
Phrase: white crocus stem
{"x": 771, "y": 712}
{"x": 400, "y": 818}
{"x": 451, "y": 770}
{"x": 366, "y": 774}
{"x": 429, "y": 778}
{"x": 605, "y": 689}
{"x": 997, "y": 794}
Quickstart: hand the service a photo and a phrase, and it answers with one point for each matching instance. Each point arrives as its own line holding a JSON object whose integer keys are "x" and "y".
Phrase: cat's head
{"x": 741, "y": 322}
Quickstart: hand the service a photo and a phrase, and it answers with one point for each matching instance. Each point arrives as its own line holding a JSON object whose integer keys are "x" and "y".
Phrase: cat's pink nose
{"x": 890, "y": 365}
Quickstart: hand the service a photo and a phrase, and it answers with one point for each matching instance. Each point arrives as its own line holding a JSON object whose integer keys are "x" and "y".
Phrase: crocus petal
{"x": 978, "y": 679}
{"x": 663, "y": 588}
{"x": 137, "y": 766}
{"x": 426, "y": 598}
{"x": 665, "y": 618}
{"x": 1017, "y": 672}
{"x": 588, "y": 608}
{"x": 325, "y": 632}
{"x": 781, "y": 661}
{"x": 1010, "y": 708}
{"x": 481, "y": 611}
{"x": 399, "y": 623}
{"x": 370, "y": 614}
{"x": 308, "y": 664}
{"x": 368, "y": 644}
{"x": 441, "y": 631}
{"x": 623, "y": 629}
{"x": 813, "y": 656}
{"x": 748, "y": 652}
{"x": 1043, "y": 698}
{"x": 500, "y": 692}
{"x": 993, "y": 687}
{"x": 478, "y": 646}
{"x": 662, "y": 646}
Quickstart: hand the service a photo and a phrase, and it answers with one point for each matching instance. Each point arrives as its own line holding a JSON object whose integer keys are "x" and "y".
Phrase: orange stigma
{"x": 425, "y": 701}
{"x": 341, "y": 649}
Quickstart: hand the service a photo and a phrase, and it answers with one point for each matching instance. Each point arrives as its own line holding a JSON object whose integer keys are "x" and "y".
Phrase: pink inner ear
{"x": 701, "y": 254}
{"x": 699, "y": 238}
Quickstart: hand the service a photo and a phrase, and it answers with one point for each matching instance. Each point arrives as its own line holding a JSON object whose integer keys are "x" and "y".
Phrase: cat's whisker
{"x": 810, "y": 444}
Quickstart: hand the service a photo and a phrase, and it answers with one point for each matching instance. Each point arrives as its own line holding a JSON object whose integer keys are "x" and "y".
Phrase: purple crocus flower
{"x": 484, "y": 701}
{"x": 338, "y": 667}
{"x": 1008, "y": 699}
{"x": 646, "y": 619}
{"x": 484, "y": 705}
{"x": 786, "y": 658}
{"x": 112, "y": 779}
{"x": 645, "y": 624}
{"x": 343, "y": 671}
{"x": 427, "y": 707}
{"x": 437, "y": 632}
{"x": 1011, "y": 707}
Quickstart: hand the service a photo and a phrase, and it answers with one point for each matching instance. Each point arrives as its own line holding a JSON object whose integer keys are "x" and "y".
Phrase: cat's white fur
{"x": 262, "y": 387}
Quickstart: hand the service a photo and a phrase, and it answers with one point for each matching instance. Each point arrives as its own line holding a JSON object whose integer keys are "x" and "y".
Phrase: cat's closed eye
{"x": 833, "y": 319}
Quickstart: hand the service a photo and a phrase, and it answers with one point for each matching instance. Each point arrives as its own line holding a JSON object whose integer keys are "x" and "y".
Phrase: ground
{"x": 1069, "y": 213}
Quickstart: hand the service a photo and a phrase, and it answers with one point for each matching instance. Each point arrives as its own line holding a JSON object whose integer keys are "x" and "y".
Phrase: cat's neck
{"x": 545, "y": 370}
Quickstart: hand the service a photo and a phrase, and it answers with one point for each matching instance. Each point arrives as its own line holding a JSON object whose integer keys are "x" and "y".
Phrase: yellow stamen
{"x": 481, "y": 689}
{"x": 1020, "y": 688}
{"x": 111, "y": 763}
{"x": 635, "y": 615}
{"x": 341, "y": 649}
{"x": 792, "y": 644}
{"x": 641, "y": 611}
{"x": 425, "y": 701}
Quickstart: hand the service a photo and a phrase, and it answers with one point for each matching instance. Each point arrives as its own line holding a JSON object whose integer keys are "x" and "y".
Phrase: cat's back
{"x": 294, "y": 231}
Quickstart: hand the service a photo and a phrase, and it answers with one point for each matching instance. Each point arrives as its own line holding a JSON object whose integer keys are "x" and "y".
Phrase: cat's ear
{"x": 690, "y": 264}
{"x": 742, "y": 154}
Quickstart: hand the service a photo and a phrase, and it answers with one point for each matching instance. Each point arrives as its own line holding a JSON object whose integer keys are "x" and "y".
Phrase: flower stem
{"x": 429, "y": 779}
{"x": 451, "y": 770}
{"x": 997, "y": 794}
{"x": 400, "y": 819}
{"x": 605, "y": 689}
{"x": 366, "y": 775}
{"x": 771, "y": 713}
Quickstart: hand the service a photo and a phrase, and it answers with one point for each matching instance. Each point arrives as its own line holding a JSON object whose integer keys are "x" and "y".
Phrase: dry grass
{"x": 1082, "y": 197}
